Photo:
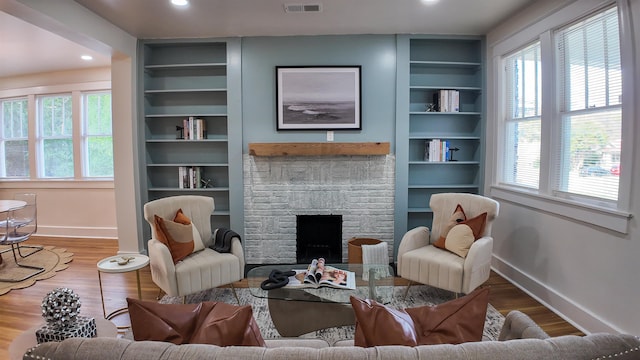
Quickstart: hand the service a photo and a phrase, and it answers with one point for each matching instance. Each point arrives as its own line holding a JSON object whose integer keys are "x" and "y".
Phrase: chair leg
{"x": 38, "y": 248}
{"x": 38, "y": 269}
{"x": 235, "y": 293}
{"x": 407, "y": 290}
{"x": 160, "y": 294}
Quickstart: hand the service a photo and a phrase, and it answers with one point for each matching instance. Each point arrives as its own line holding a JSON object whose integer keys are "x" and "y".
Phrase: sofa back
{"x": 625, "y": 347}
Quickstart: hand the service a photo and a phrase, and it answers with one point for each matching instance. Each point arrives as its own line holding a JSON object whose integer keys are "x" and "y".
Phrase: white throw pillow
{"x": 459, "y": 240}
{"x": 197, "y": 240}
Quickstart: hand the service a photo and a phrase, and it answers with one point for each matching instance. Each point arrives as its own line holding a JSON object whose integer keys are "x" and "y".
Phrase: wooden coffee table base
{"x": 294, "y": 318}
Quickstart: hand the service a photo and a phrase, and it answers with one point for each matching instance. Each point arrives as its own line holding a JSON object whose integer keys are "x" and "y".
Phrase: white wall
{"x": 585, "y": 272}
{"x": 65, "y": 207}
{"x": 74, "y": 22}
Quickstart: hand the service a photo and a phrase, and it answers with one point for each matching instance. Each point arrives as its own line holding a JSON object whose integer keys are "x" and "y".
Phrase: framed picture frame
{"x": 318, "y": 97}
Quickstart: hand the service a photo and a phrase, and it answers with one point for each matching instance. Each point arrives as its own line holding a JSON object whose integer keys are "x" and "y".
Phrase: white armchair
{"x": 202, "y": 269}
{"x": 420, "y": 261}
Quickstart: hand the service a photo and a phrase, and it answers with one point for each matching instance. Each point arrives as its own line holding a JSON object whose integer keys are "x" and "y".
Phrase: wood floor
{"x": 20, "y": 309}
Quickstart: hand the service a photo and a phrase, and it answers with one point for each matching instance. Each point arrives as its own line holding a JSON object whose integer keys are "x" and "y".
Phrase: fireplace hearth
{"x": 318, "y": 236}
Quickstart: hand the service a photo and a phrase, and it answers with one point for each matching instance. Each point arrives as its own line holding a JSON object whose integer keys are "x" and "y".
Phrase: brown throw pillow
{"x": 477, "y": 225}
{"x": 181, "y": 218}
{"x": 453, "y": 322}
{"x": 208, "y": 322}
{"x": 177, "y": 237}
{"x": 377, "y": 325}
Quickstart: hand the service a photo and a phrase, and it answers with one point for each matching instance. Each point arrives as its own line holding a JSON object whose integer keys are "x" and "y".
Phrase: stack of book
{"x": 189, "y": 177}
{"x": 447, "y": 100}
{"x": 194, "y": 128}
{"x": 436, "y": 150}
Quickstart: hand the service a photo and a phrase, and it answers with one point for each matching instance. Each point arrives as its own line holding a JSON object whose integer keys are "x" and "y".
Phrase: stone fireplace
{"x": 277, "y": 189}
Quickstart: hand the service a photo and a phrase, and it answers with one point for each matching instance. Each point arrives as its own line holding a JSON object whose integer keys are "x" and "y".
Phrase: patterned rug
{"x": 418, "y": 295}
{"x": 53, "y": 259}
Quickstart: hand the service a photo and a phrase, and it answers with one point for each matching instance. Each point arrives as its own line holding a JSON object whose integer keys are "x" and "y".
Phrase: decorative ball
{"x": 60, "y": 307}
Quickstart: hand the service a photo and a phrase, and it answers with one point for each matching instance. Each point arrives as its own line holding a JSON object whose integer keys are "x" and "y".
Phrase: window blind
{"x": 590, "y": 112}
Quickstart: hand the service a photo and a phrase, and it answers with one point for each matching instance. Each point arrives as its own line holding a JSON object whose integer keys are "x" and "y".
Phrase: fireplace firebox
{"x": 318, "y": 236}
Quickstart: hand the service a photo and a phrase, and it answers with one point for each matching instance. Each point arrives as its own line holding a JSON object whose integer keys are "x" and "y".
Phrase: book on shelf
{"x": 190, "y": 177}
{"x": 436, "y": 150}
{"x": 447, "y": 100}
{"x": 317, "y": 274}
{"x": 194, "y": 128}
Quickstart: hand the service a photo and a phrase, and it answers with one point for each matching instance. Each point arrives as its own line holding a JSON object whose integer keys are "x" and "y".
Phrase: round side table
{"x": 111, "y": 265}
{"x": 27, "y": 339}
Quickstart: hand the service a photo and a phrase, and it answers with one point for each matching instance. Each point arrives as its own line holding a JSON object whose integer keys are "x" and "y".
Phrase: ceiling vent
{"x": 302, "y": 8}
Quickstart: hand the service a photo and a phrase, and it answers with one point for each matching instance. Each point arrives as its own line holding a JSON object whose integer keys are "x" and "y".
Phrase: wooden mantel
{"x": 318, "y": 148}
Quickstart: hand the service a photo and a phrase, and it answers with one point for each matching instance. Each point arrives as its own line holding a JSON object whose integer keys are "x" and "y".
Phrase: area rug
{"x": 418, "y": 295}
{"x": 52, "y": 258}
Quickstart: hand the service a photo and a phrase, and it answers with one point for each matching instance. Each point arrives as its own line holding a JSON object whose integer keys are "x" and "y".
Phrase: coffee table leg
{"x": 138, "y": 281}
{"x": 294, "y": 318}
{"x": 104, "y": 310}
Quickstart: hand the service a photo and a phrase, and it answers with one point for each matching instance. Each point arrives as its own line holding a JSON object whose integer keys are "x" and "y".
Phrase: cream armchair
{"x": 420, "y": 261}
{"x": 200, "y": 270}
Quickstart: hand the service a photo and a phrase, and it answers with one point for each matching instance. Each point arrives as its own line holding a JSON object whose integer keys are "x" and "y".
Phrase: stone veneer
{"x": 277, "y": 188}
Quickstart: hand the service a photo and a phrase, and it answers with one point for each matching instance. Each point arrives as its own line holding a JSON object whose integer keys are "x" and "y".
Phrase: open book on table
{"x": 317, "y": 275}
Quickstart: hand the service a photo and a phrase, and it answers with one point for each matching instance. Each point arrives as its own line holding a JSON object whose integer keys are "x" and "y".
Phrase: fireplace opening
{"x": 318, "y": 236}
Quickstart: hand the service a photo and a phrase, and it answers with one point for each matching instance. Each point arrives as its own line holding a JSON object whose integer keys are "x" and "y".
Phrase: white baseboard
{"x": 578, "y": 316}
{"x": 78, "y": 232}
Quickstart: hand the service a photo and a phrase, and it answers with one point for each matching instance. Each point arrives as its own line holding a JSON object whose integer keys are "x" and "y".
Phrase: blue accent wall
{"x": 375, "y": 53}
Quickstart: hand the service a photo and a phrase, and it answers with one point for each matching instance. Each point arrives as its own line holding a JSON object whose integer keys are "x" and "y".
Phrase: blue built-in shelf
{"x": 183, "y": 80}
{"x": 428, "y": 64}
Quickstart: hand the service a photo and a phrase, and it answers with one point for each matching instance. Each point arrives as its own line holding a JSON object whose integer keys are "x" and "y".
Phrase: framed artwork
{"x": 318, "y": 97}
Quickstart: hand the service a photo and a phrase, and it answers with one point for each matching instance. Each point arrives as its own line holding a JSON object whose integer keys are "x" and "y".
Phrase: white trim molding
{"x": 603, "y": 217}
{"x": 78, "y": 232}
{"x": 580, "y": 317}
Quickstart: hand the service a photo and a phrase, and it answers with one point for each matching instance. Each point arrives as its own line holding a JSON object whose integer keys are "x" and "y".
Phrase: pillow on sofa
{"x": 372, "y": 317}
{"x": 453, "y": 322}
{"x": 208, "y": 322}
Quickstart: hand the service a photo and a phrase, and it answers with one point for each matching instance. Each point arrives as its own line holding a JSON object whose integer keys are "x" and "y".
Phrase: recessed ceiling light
{"x": 86, "y": 57}
{"x": 180, "y": 2}
{"x": 429, "y": 2}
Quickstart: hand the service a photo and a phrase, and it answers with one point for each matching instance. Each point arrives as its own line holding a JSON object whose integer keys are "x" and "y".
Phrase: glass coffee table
{"x": 296, "y": 311}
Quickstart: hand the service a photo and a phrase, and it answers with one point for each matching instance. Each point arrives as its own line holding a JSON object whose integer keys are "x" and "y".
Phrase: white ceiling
{"x": 25, "y": 48}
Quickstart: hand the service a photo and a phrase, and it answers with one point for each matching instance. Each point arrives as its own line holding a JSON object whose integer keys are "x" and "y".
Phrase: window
{"x": 590, "y": 109}
{"x": 97, "y": 140}
{"x": 55, "y": 137}
{"x": 61, "y": 132}
{"x": 14, "y": 138}
{"x": 564, "y": 134}
{"x": 521, "y": 165}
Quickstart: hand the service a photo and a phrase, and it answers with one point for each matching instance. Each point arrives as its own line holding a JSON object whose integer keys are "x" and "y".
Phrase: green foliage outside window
{"x": 56, "y": 130}
{"x": 15, "y": 132}
{"x": 99, "y": 143}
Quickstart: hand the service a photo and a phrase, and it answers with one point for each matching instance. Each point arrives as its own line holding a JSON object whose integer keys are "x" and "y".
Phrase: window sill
{"x": 606, "y": 218}
{"x": 56, "y": 184}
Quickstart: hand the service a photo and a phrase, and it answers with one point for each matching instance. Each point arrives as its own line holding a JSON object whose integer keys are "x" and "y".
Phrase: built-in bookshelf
{"x": 445, "y": 102}
{"x": 186, "y": 122}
